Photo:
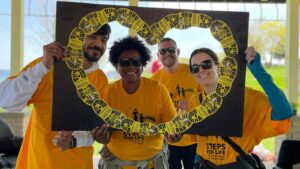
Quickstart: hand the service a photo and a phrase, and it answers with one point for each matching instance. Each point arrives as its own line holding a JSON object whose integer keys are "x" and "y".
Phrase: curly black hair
{"x": 129, "y": 43}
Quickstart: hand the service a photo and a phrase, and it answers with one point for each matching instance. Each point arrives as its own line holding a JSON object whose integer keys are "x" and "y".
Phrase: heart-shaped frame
{"x": 152, "y": 34}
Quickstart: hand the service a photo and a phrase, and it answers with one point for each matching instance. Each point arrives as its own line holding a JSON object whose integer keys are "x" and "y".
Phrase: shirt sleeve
{"x": 261, "y": 112}
{"x": 84, "y": 138}
{"x": 281, "y": 109}
{"x": 17, "y": 91}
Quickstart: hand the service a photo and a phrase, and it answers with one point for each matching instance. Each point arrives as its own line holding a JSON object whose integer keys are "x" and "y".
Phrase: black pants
{"x": 289, "y": 154}
{"x": 185, "y": 154}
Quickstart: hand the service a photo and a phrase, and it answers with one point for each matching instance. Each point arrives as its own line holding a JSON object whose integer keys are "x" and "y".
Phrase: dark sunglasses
{"x": 127, "y": 62}
{"x": 165, "y": 50}
{"x": 206, "y": 64}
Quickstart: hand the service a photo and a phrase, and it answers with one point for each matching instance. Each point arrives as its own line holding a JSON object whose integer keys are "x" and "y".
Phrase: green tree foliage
{"x": 274, "y": 34}
{"x": 268, "y": 38}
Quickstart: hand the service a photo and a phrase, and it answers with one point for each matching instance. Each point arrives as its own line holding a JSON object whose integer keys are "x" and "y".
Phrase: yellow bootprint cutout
{"x": 152, "y": 34}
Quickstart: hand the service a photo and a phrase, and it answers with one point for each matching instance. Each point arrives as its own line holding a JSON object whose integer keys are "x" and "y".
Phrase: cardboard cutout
{"x": 76, "y": 103}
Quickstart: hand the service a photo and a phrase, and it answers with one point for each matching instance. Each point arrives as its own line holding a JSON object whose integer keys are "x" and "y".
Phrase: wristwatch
{"x": 73, "y": 143}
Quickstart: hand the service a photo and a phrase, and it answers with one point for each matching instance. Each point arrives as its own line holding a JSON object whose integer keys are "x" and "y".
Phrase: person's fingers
{"x": 62, "y": 146}
{"x": 246, "y": 50}
{"x": 170, "y": 139}
{"x": 64, "y": 140}
{"x": 106, "y": 134}
{"x": 100, "y": 131}
{"x": 58, "y": 55}
{"x": 54, "y": 141}
{"x": 56, "y": 50}
{"x": 249, "y": 49}
{"x": 67, "y": 133}
{"x": 94, "y": 131}
{"x": 106, "y": 130}
{"x": 107, "y": 137}
{"x": 173, "y": 139}
{"x": 249, "y": 57}
{"x": 60, "y": 48}
{"x": 56, "y": 136}
{"x": 178, "y": 137}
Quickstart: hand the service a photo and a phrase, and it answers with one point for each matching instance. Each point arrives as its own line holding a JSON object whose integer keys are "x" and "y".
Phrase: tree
{"x": 274, "y": 35}
{"x": 268, "y": 38}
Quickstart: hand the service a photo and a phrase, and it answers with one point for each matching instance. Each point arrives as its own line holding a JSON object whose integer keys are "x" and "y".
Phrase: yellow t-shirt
{"x": 181, "y": 86}
{"x": 37, "y": 149}
{"x": 150, "y": 103}
{"x": 257, "y": 125}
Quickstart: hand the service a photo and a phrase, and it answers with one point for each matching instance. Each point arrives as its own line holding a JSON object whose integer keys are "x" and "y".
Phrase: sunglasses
{"x": 165, "y": 50}
{"x": 127, "y": 62}
{"x": 206, "y": 64}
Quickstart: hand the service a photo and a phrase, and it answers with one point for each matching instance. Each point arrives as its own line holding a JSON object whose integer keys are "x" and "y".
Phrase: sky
{"x": 36, "y": 34}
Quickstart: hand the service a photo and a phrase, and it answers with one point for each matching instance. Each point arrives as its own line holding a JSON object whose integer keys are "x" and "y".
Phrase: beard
{"x": 169, "y": 63}
{"x": 92, "y": 58}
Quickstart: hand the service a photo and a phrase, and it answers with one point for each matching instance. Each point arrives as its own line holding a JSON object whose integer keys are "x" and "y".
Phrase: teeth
{"x": 203, "y": 76}
{"x": 131, "y": 73}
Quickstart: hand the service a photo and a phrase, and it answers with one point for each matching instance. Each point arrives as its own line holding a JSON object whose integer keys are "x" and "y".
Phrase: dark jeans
{"x": 185, "y": 154}
{"x": 289, "y": 154}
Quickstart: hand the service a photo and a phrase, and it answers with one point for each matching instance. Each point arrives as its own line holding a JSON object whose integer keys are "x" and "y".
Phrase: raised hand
{"x": 52, "y": 51}
{"x": 250, "y": 54}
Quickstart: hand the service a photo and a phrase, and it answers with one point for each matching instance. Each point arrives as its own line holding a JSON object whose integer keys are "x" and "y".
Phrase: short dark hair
{"x": 208, "y": 51}
{"x": 129, "y": 43}
{"x": 167, "y": 40}
{"x": 105, "y": 30}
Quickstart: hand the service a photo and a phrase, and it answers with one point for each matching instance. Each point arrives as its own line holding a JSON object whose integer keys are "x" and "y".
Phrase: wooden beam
{"x": 17, "y": 27}
{"x": 292, "y": 50}
{"x": 233, "y": 1}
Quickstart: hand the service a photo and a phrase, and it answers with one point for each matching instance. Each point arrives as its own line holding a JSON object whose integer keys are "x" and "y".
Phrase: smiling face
{"x": 130, "y": 66}
{"x": 208, "y": 78}
{"x": 168, "y": 53}
{"x": 94, "y": 47}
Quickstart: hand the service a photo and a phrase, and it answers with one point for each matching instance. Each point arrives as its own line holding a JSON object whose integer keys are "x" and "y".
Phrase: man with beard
{"x": 34, "y": 86}
{"x": 181, "y": 86}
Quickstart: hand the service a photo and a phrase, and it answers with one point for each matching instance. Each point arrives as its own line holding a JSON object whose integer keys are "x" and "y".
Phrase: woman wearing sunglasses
{"x": 264, "y": 115}
{"x": 141, "y": 99}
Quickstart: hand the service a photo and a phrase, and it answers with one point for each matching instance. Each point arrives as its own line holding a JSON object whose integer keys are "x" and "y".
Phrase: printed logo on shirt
{"x": 216, "y": 151}
{"x": 180, "y": 94}
{"x": 139, "y": 117}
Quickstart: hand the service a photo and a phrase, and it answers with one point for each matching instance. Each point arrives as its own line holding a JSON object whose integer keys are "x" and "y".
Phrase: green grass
{"x": 97, "y": 148}
{"x": 278, "y": 74}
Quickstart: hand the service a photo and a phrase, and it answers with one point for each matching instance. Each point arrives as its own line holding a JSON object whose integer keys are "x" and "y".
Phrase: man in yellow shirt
{"x": 34, "y": 85}
{"x": 181, "y": 86}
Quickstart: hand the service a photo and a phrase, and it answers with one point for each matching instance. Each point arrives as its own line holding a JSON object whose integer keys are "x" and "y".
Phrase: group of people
{"x": 174, "y": 89}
